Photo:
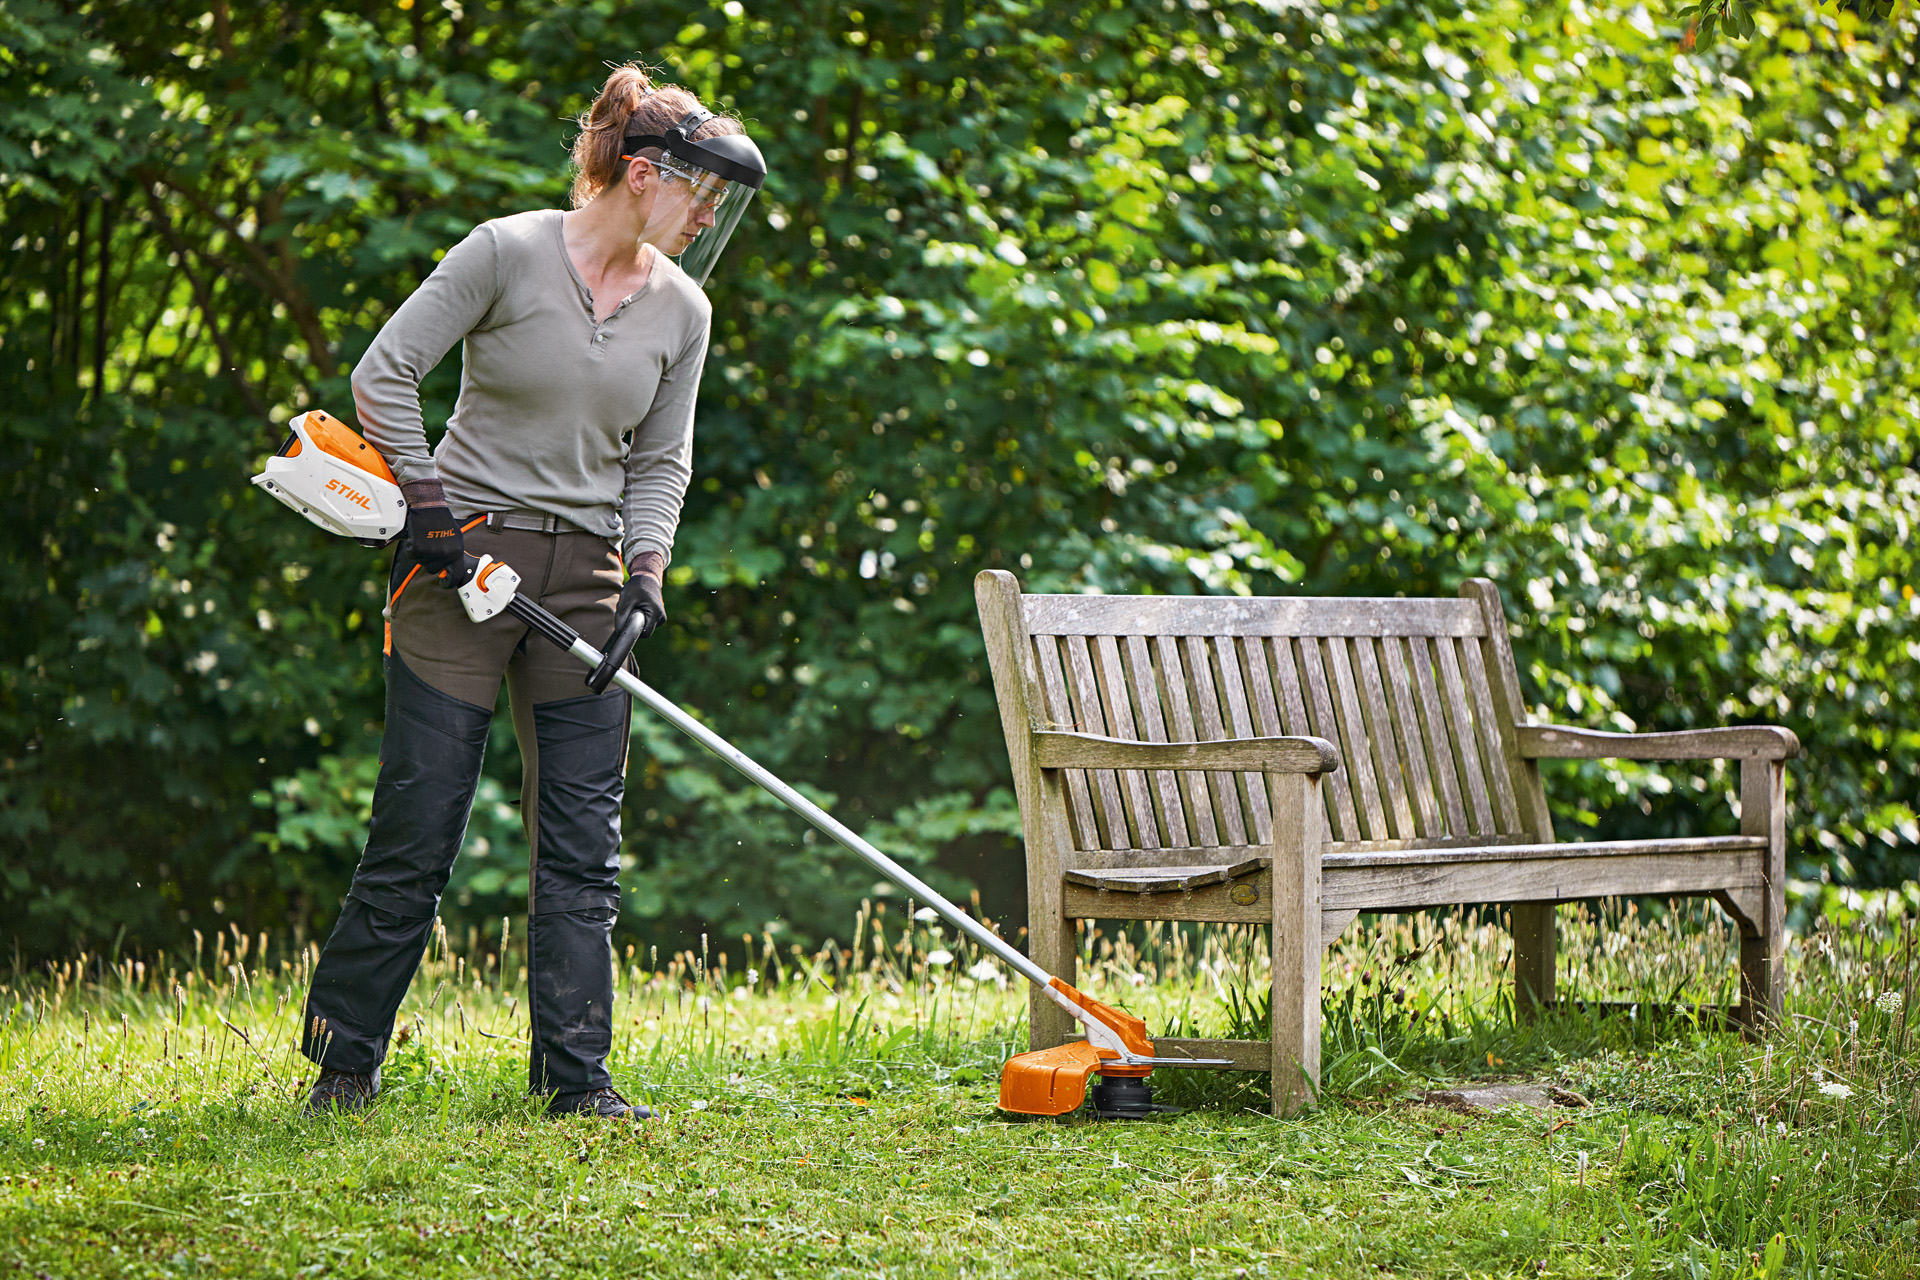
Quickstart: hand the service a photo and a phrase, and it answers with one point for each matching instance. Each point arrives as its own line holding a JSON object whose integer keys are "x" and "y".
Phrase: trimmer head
{"x": 1053, "y": 1082}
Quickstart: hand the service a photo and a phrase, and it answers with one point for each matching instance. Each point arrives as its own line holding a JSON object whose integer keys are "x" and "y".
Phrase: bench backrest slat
{"x": 1410, "y": 691}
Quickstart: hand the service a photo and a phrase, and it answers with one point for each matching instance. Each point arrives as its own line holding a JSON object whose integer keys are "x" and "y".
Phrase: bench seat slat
{"x": 1150, "y": 879}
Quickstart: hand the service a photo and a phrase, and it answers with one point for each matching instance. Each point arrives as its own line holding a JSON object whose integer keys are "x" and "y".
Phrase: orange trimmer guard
{"x": 1048, "y": 1082}
{"x": 1053, "y": 1082}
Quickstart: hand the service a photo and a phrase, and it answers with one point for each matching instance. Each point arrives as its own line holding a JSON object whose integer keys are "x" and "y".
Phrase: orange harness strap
{"x": 394, "y": 599}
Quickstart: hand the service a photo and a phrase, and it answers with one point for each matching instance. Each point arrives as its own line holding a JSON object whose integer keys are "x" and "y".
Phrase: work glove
{"x": 438, "y": 545}
{"x": 641, "y": 595}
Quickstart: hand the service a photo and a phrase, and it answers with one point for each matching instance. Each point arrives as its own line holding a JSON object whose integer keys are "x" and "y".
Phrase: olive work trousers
{"x": 443, "y": 678}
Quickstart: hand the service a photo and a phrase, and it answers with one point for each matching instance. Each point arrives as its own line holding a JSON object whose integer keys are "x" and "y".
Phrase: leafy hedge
{"x": 1126, "y": 295}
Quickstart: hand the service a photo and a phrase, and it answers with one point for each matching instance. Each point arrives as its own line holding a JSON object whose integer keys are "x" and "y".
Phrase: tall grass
{"x": 1700, "y": 1153}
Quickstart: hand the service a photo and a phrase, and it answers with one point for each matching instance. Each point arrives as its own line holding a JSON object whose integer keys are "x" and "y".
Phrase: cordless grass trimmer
{"x": 327, "y": 473}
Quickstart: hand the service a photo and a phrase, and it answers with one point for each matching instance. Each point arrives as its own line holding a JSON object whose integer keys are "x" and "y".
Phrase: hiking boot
{"x": 342, "y": 1091}
{"x": 606, "y": 1103}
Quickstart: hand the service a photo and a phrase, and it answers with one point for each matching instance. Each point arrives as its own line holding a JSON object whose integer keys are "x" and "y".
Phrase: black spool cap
{"x": 1125, "y": 1098}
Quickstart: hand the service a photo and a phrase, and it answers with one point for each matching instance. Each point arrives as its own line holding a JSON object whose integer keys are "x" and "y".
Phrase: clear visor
{"x": 694, "y": 215}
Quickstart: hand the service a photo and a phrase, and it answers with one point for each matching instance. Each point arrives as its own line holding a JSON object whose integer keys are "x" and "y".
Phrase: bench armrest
{"x": 1063, "y": 750}
{"x": 1741, "y": 742}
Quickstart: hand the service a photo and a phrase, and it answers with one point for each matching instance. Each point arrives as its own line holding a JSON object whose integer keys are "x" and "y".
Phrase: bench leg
{"x": 1298, "y": 842}
{"x": 1534, "y": 948}
{"x": 1050, "y": 942}
{"x": 1763, "y": 812}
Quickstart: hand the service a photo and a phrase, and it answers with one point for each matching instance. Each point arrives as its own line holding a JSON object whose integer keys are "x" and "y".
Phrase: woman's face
{"x": 676, "y": 208}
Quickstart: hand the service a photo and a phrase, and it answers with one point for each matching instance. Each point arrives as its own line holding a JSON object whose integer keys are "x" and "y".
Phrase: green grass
{"x": 834, "y": 1114}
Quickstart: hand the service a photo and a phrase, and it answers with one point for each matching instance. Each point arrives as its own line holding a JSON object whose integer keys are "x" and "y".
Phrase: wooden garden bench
{"x": 1294, "y": 762}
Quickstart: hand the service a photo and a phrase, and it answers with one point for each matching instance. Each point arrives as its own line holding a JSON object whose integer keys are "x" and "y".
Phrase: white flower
{"x": 1889, "y": 1002}
{"x": 940, "y": 957}
{"x": 987, "y": 971}
{"x": 926, "y": 915}
{"x": 1834, "y": 1089}
{"x": 39, "y": 1142}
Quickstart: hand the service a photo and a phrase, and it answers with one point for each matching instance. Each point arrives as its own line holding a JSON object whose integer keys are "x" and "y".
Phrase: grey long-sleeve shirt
{"x": 548, "y": 398}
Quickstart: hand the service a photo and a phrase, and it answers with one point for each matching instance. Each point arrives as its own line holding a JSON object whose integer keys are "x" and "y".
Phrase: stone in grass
{"x": 1491, "y": 1097}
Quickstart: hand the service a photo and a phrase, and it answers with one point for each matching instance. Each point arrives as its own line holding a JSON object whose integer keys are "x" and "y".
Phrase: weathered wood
{"x": 1334, "y": 923}
{"x": 1247, "y": 859}
{"x": 1059, "y": 715}
{"x": 1495, "y": 738}
{"x": 1741, "y": 742}
{"x": 1509, "y": 708}
{"x": 1167, "y": 879}
{"x": 1172, "y": 760}
{"x": 1313, "y": 673}
{"x": 1056, "y": 750}
{"x": 1148, "y": 714}
{"x": 1104, "y": 783}
{"x": 1201, "y": 826}
{"x": 1049, "y": 841}
{"x": 1413, "y": 747}
{"x": 1119, "y": 712}
{"x": 1206, "y": 705}
{"x": 1239, "y": 716}
{"x": 1462, "y": 737}
{"x": 1439, "y": 748}
{"x": 1248, "y": 616}
{"x": 1408, "y": 884}
{"x": 1358, "y": 752}
{"x": 1386, "y": 754}
{"x": 1295, "y": 937}
{"x": 1491, "y": 667}
{"x": 1763, "y": 815}
{"x": 1383, "y": 887}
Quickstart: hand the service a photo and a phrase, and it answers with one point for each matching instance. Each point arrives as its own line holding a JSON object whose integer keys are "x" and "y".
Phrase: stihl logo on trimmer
{"x": 351, "y": 495}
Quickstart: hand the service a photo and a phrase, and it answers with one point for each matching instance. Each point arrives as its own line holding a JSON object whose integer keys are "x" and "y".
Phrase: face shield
{"x": 704, "y": 191}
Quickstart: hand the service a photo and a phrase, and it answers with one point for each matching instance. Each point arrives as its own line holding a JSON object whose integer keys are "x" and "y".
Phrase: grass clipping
{"x": 833, "y": 1113}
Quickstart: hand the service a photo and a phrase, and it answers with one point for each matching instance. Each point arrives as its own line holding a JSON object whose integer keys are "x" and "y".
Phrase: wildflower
{"x": 940, "y": 957}
{"x": 987, "y": 971}
{"x": 926, "y": 915}
{"x": 1889, "y": 1002}
{"x": 1834, "y": 1089}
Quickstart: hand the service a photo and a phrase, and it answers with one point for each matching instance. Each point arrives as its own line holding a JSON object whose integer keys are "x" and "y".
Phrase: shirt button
{"x": 599, "y": 337}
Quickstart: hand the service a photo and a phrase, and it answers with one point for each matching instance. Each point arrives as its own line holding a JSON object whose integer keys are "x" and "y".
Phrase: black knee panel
{"x": 429, "y": 769}
{"x": 582, "y": 768}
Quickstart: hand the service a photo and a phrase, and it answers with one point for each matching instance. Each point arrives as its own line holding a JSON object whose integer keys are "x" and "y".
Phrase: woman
{"x": 568, "y": 457}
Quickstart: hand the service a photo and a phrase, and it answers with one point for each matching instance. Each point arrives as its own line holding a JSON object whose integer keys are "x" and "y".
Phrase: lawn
{"x": 833, "y": 1113}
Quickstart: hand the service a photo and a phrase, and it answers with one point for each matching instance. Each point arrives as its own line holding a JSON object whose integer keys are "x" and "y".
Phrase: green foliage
{"x": 1124, "y": 295}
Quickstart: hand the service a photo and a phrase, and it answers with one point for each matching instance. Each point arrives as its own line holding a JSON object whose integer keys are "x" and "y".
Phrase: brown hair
{"x": 629, "y": 103}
